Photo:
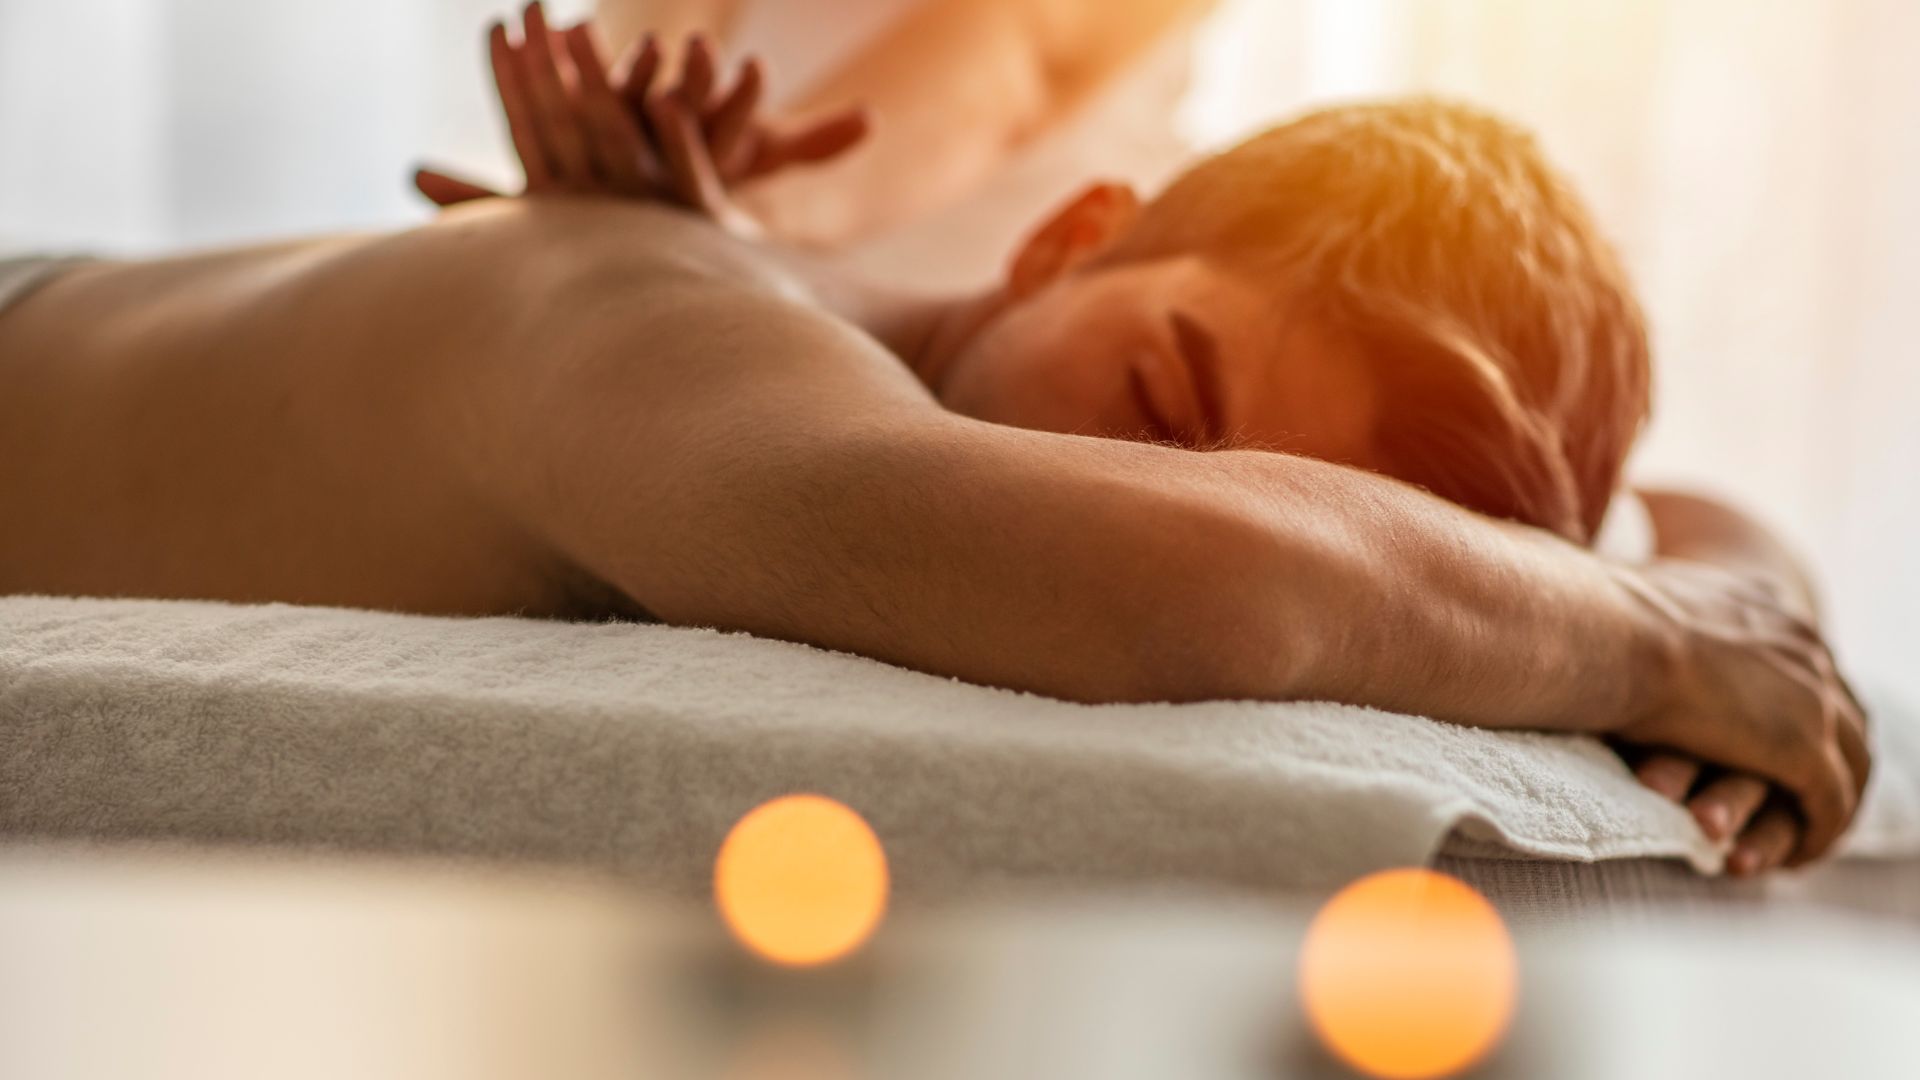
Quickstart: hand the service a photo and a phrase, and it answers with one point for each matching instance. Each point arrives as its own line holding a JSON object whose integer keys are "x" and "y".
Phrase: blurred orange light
{"x": 801, "y": 880}
{"x": 1409, "y": 975}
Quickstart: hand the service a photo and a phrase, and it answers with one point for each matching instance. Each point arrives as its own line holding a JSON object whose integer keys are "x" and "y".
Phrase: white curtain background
{"x": 136, "y": 126}
{"x": 1758, "y": 162}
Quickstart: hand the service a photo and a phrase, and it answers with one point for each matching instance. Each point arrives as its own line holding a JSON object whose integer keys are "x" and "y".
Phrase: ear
{"x": 1085, "y": 227}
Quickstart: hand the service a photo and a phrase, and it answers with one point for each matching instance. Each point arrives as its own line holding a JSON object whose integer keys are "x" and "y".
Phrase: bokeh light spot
{"x": 1409, "y": 975}
{"x": 801, "y": 880}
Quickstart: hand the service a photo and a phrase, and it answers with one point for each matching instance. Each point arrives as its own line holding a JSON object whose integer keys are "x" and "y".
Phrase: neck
{"x": 926, "y": 332}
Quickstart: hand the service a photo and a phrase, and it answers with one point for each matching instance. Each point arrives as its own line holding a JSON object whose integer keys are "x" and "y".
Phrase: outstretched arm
{"x": 1704, "y": 530}
{"x": 805, "y": 487}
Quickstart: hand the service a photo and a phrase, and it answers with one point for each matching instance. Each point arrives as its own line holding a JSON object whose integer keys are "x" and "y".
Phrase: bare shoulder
{"x": 665, "y": 423}
{"x": 597, "y": 305}
{"x": 641, "y": 352}
{"x": 660, "y": 299}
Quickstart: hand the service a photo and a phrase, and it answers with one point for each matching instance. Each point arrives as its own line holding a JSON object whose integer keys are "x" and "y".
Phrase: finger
{"x": 617, "y": 146}
{"x": 1672, "y": 775}
{"x": 518, "y": 105}
{"x": 1852, "y": 734}
{"x": 635, "y": 73}
{"x": 696, "y": 76}
{"x": 1827, "y": 803}
{"x": 557, "y": 45}
{"x": 444, "y": 190}
{"x": 819, "y": 142}
{"x": 1725, "y": 806}
{"x": 731, "y": 120}
{"x": 683, "y": 144}
{"x": 1767, "y": 842}
{"x": 572, "y": 164}
{"x": 1816, "y": 774}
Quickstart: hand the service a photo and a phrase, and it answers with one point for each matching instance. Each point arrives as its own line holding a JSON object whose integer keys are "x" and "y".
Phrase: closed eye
{"x": 1157, "y": 424}
{"x": 1202, "y": 356}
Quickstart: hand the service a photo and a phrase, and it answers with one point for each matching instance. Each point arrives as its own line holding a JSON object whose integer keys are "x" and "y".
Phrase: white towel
{"x": 633, "y": 748}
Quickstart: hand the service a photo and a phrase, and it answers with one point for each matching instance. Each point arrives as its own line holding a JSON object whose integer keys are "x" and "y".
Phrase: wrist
{"x": 1654, "y": 652}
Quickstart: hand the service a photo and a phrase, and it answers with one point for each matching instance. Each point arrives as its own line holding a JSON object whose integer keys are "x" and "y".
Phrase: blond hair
{"x": 1511, "y": 355}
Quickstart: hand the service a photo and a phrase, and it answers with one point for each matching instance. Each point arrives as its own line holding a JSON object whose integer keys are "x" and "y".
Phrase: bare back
{"x": 261, "y": 424}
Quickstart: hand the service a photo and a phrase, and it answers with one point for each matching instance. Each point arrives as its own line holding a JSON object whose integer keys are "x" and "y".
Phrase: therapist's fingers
{"x": 634, "y": 75}
{"x": 729, "y": 126}
{"x": 517, "y": 102}
{"x": 618, "y": 148}
{"x": 818, "y": 142}
{"x": 1672, "y": 775}
{"x": 1767, "y": 842}
{"x": 683, "y": 144}
{"x": 571, "y": 160}
{"x": 1726, "y": 805}
{"x": 445, "y": 190}
{"x": 696, "y": 76}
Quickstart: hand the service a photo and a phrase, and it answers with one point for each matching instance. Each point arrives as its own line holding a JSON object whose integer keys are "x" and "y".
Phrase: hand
{"x": 577, "y": 130}
{"x": 742, "y": 146}
{"x": 1754, "y": 690}
{"x": 1760, "y": 820}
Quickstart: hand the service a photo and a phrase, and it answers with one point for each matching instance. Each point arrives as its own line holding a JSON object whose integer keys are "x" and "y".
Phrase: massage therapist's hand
{"x": 743, "y": 146}
{"x": 577, "y": 130}
{"x": 1751, "y": 688}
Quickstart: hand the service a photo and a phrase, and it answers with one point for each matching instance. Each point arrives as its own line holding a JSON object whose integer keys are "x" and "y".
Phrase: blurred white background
{"x": 1757, "y": 160}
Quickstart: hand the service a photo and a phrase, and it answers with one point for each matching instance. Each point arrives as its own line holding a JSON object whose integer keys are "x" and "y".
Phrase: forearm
{"x": 954, "y": 89}
{"x": 1382, "y": 595}
{"x": 956, "y": 86}
{"x": 1699, "y": 529}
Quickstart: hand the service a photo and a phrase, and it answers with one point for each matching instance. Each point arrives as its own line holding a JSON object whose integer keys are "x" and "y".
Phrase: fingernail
{"x": 1717, "y": 821}
{"x": 1743, "y": 862}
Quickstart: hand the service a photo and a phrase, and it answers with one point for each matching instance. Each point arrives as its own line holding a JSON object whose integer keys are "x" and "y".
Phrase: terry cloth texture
{"x": 633, "y": 748}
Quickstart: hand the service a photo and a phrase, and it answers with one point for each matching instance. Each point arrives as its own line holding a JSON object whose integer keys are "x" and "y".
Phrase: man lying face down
{"x": 581, "y": 407}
